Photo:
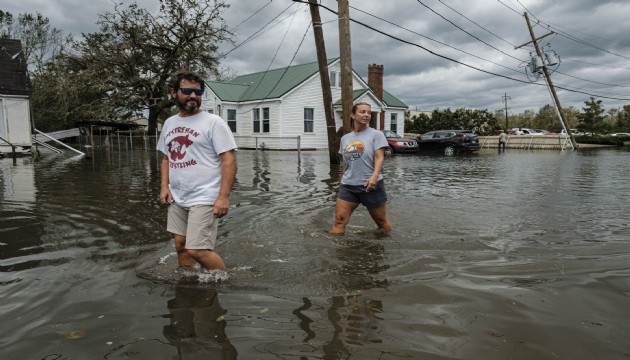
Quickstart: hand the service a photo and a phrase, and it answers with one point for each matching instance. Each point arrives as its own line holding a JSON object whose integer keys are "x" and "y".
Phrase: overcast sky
{"x": 439, "y": 53}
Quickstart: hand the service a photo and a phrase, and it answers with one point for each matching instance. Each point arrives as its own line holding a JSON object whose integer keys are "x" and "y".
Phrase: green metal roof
{"x": 227, "y": 91}
{"x": 389, "y": 99}
{"x": 273, "y": 84}
{"x": 392, "y": 101}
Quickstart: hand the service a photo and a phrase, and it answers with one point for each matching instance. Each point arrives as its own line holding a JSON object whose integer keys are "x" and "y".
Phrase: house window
{"x": 256, "y": 118}
{"x": 265, "y": 120}
{"x": 333, "y": 79}
{"x": 231, "y": 119}
{"x": 393, "y": 124}
{"x": 258, "y": 124}
{"x": 210, "y": 111}
{"x": 309, "y": 120}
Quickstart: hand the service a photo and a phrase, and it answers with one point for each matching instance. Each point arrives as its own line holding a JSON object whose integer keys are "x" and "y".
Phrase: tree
{"x": 6, "y": 25}
{"x": 41, "y": 42}
{"x": 480, "y": 121}
{"x": 132, "y": 57}
{"x": 622, "y": 122}
{"x": 546, "y": 118}
{"x": 592, "y": 118}
{"x": 60, "y": 99}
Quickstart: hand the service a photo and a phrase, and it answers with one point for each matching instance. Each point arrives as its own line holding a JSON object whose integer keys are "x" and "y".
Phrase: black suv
{"x": 448, "y": 142}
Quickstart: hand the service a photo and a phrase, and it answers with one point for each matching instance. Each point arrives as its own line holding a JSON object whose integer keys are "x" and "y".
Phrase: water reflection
{"x": 518, "y": 253}
{"x": 17, "y": 182}
{"x": 197, "y": 326}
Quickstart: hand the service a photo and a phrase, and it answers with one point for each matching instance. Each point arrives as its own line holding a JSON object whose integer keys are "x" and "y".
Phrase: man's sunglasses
{"x": 188, "y": 91}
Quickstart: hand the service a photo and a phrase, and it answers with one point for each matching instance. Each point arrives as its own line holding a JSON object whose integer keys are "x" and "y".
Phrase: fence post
{"x": 299, "y": 144}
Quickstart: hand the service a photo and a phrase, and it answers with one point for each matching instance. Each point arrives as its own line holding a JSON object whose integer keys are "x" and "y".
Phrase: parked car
{"x": 398, "y": 144}
{"x": 575, "y": 132}
{"x": 525, "y": 131}
{"x": 621, "y": 134}
{"x": 449, "y": 142}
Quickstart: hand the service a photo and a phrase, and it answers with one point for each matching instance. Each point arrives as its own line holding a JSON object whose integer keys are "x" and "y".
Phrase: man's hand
{"x": 221, "y": 207}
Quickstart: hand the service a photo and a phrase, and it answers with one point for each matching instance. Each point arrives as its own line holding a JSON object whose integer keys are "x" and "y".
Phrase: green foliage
{"x": 60, "y": 98}
{"x": 6, "y": 25}
{"x": 480, "y": 121}
{"x": 601, "y": 140}
{"x": 132, "y": 57}
{"x": 592, "y": 118}
{"x": 40, "y": 41}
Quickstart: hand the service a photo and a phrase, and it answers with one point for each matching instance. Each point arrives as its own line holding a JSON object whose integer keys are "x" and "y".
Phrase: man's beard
{"x": 183, "y": 105}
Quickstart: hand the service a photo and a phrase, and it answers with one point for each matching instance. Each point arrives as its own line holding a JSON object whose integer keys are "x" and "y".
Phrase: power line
{"x": 252, "y": 15}
{"x": 460, "y": 28}
{"x": 436, "y": 41}
{"x": 285, "y": 70}
{"x": 481, "y": 27}
{"x": 260, "y": 31}
{"x": 591, "y": 81}
{"x": 571, "y": 37}
{"x": 462, "y": 63}
{"x": 589, "y": 63}
{"x": 507, "y": 6}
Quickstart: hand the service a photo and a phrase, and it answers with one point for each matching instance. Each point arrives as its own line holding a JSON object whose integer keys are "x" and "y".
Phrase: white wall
{"x": 16, "y": 121}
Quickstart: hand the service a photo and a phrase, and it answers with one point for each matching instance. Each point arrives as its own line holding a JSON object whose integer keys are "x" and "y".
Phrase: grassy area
{"x": 603, "y": 140}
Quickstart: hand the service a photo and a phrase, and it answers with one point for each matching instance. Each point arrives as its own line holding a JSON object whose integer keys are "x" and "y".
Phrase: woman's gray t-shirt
{"x": 358, "y": 150}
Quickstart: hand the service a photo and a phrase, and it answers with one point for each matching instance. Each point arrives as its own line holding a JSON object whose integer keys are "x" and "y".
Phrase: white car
{"x": 620, "y": 134}
{"x": 573, "y": 131}
{"x": 525, "y": 131}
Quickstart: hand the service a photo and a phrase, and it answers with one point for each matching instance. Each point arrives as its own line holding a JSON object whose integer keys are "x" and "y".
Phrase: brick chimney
{"x": 375, "y": 80}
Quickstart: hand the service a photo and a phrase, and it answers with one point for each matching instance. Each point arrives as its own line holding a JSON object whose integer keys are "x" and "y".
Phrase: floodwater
{"x": 515, "y": 255}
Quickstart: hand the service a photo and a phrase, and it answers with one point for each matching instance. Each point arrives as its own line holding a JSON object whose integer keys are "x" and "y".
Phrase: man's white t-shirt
{"x": 193, "y": 145}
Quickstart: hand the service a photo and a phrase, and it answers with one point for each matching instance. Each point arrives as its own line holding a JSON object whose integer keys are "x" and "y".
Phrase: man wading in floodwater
{"x": 197, "y": 173}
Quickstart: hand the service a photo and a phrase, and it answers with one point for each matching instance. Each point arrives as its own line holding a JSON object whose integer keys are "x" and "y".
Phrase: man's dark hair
{"x": 176, "y": 79}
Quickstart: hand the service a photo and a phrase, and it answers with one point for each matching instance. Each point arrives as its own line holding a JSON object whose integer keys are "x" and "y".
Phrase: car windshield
{"x": 390, "y": 134}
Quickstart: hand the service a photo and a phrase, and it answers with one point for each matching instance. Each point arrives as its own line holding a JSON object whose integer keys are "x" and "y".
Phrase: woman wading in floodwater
{"x": 363, "y": 152}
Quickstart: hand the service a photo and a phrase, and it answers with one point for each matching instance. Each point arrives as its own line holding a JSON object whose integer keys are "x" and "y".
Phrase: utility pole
{"x": 550, "y": 84}
{"x": 333, "y": 144}
{"x": 346, "y": 63}
{"x": 505, "y": 99}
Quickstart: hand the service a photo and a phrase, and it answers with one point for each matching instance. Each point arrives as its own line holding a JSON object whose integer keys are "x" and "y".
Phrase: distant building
{"x": 15, "y": 92}
{"x": 416, "y": 113}
{"x": 279, "y": 105}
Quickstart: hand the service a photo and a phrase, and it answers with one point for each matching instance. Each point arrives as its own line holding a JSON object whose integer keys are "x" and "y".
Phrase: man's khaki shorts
{"x": 197, "y": 223}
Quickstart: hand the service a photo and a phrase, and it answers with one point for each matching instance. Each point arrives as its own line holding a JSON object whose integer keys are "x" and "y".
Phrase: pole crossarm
{"x": 529, "y": 42}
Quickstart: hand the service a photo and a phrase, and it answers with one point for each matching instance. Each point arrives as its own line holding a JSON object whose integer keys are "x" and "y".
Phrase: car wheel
{"x": 389, "y": 150}
{"x": 449, "y": 150}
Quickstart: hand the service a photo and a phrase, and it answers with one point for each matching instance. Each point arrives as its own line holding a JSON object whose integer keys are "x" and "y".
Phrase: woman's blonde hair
{"x": 354, "y": 107}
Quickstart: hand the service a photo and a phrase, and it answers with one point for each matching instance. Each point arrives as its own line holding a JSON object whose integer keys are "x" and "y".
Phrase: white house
{"x": 281, "y": 108}
{"x": 15, "y": 90}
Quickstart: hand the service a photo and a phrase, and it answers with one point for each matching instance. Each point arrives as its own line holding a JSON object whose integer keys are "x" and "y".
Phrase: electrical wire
{"x": 507, "y": 6}
{"x": 260, "y": 31}
{"x": 436, "y": 41}
{"x": 593, "y": 64}
{"x": 252, "y": 15}
{"x": 460, "y": 28}
{"x": 285, "y": 70}
{"x": 571, "y": 37}
{"x": 481, "y": 27}
{"x": 457, "y": 61}
{"x": 591, "y": 81}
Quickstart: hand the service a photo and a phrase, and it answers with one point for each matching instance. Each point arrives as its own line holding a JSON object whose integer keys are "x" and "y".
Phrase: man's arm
{"x": 228, "y": 175}
{"x": 165, "y": 192}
